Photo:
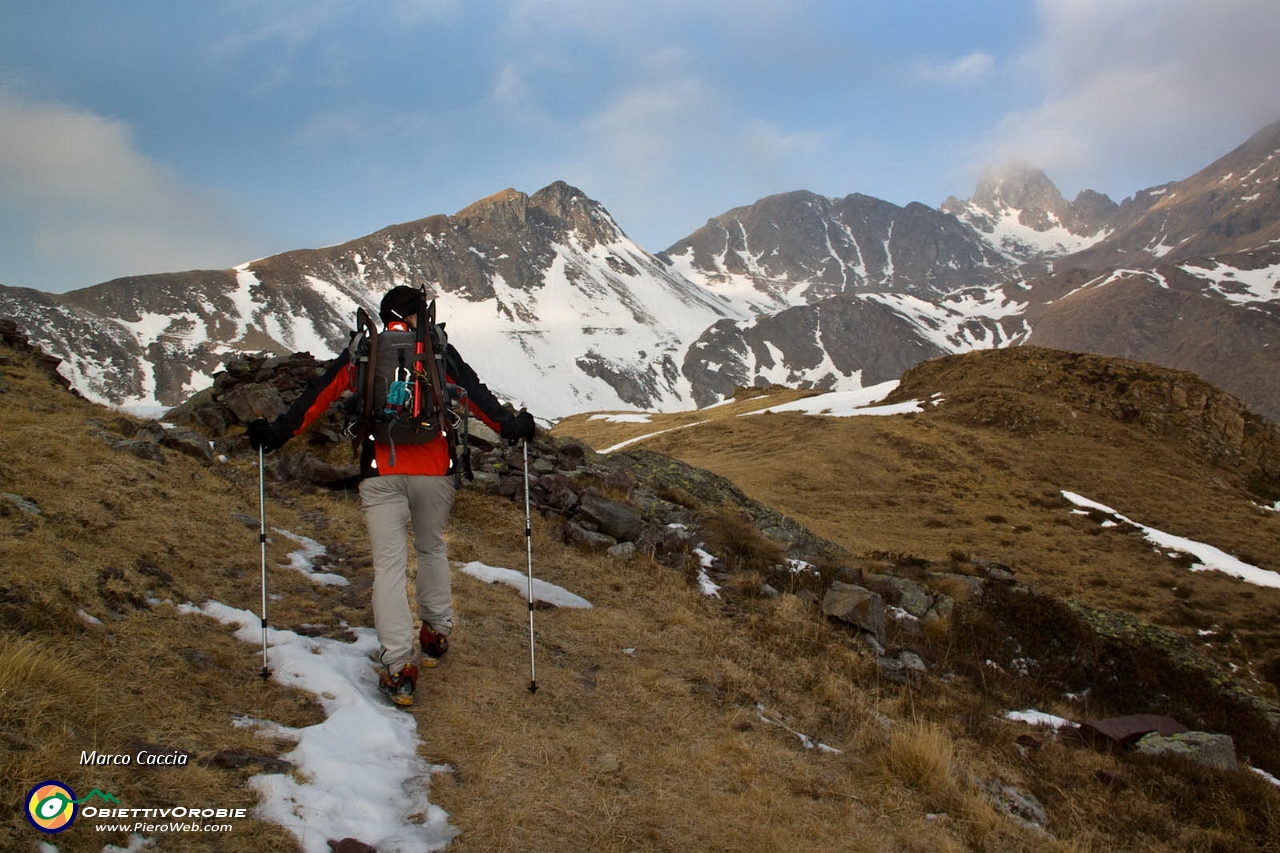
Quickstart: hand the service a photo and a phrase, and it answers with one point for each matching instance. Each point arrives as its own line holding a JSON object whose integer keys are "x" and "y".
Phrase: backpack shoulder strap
{"x": 368, "y": 330}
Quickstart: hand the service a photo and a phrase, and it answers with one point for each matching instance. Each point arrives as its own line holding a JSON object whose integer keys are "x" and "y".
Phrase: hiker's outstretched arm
{"x": 480, "y": 399}
{"x": 316, "y": 399}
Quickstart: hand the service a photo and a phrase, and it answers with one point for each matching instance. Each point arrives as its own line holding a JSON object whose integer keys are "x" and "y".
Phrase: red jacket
{"x": 431, "y": 458}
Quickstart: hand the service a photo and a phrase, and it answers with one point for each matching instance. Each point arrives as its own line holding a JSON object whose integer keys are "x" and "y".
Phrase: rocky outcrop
{"x": 1017, "y": 388}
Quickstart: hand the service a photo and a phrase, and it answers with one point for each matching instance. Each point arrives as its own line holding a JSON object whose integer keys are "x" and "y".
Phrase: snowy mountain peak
{"x": 1019, "y": 187}
{"x": 1025, "y": 218}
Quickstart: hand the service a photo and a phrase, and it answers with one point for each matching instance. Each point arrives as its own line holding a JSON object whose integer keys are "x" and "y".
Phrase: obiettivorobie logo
{"x": 51, "y": 805}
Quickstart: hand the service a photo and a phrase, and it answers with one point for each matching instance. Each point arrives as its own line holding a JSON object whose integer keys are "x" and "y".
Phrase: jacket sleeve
{"x": 316, "y": 399}
{"x": 480, "y": 400}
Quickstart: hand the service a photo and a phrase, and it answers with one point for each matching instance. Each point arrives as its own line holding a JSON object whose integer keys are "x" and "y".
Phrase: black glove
{"x": 263, "y": 436}
{"x": 518, "y": 426}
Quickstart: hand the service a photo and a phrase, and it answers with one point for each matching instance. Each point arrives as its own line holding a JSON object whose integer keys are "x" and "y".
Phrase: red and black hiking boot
{"x": 434, "y": 645}
{"x": 399, "y": 687}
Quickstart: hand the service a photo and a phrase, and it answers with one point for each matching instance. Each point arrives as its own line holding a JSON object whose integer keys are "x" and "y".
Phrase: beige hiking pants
{"x": 389, "y": 503}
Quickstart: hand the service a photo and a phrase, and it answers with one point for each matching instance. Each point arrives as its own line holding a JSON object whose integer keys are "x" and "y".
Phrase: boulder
{"x": 589, "y": 540}
{"x": 857, "y": 606}
{"x": 900, "y": 592}
{"x": 621, "y": 521}
{"x": 1211, "y": 750}
{"x": 187, "y": 441}
{"x": 252, "y": 401}
{"x": 902, "y": 666}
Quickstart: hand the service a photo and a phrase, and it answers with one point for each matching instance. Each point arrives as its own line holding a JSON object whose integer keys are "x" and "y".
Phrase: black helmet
{"x": 400, "y": 302}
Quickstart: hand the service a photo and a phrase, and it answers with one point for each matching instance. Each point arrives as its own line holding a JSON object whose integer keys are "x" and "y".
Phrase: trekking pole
{"x": 528, "y": 541}
{"x": 262, "y": 542}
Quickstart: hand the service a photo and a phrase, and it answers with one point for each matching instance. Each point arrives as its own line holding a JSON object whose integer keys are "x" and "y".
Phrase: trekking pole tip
{"x": 265, "y": 674}
{"x": 533, "y": 687}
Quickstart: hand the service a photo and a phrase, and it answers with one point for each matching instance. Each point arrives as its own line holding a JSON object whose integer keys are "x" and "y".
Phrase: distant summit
{"x": 1024, "y": 216}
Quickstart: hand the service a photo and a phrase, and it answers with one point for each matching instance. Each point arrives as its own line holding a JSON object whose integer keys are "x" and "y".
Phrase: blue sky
{"x": 143, "y": 136}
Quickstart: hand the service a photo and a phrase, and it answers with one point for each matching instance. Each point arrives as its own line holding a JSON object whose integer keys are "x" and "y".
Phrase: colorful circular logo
{"x": 51, "y": 806}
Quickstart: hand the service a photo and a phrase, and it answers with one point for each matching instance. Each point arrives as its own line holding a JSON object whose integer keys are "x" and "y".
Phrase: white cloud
{"x": 646, "y": 128}
{"x": 77, "y": 197}
{"x": 967, "y": 69}
{"x": 1155, "y": 88}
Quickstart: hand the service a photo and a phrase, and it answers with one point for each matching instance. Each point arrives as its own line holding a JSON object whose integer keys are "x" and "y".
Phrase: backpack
{"x": 401, "y": 393}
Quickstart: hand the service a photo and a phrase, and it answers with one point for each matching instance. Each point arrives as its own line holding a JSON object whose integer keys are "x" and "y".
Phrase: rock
{"x": 310, "y": 468}
{"x": 998, "y": 573}
{"x": 195, "y": 657}
{"x": 250, "y": 402}
{"x": 1027, "y": 743}
{"x": 902, "y": 666}
{"x": 900, "y": 592}
{"x": 232, "y": 759}
{"x": 1211, "y": 750}
{"x": 570, "y": 457}
{"x": 966, "y": 587}
{"x": 141, "y": 448}
{"x": 509, "y": 487}
{"x": 590, "y": 540}
{"x": 25, "y": 506}
{"x": 1015, "y": 802}
{"x": 189, "y": 442}
{"x": 622, "y": 551}
{"x": 618, "y": 520}
{"x": 350, "y": 845}
{"x": 858, "y": 606}
{"x": 942, "y": 608}
{"x": 555, "y": 491}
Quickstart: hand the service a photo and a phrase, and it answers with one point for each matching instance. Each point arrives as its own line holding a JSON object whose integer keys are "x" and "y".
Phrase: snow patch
{"x": 303, "y": 560}
{"x": 1209, "y": 557}
{"x": 364, "y": 778}
{"x": 1038, "y": 718}
{"x": 844, "y": 404}
{"x": 542, "y": 591}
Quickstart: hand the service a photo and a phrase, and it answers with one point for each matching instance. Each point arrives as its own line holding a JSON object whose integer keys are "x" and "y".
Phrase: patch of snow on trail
{"x": 631, "y": 441}
{"x": 364, "y": 778}
{"x": 303, "y": 560}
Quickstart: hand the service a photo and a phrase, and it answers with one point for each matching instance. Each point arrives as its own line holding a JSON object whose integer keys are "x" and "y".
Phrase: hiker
{"x": 402, "y": 481}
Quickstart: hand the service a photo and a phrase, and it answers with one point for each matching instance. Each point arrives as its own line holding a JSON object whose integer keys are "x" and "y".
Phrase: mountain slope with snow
{"x": 560, "y": 311}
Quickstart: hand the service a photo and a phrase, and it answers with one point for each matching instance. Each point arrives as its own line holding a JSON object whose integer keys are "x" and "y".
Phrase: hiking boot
{"x": 434, "y": 645}
{"x": 399, "y": 687}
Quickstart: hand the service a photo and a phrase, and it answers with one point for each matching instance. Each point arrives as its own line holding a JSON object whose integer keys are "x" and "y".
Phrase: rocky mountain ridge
{"x": 559, "y": 310}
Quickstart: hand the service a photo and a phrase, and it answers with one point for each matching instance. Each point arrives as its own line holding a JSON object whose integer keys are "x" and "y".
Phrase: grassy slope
{"x": 657, "y": 748}
{"x": 934, "y": 484}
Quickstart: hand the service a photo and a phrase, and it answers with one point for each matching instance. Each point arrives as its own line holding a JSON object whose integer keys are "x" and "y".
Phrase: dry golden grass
{"x": 664, "y": 720}
{"x": 928, "y": 486}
